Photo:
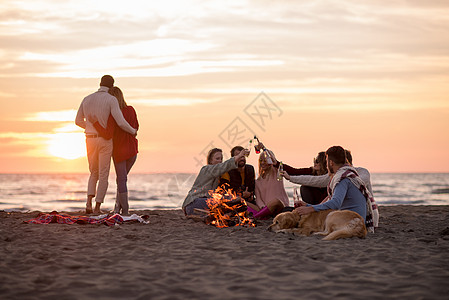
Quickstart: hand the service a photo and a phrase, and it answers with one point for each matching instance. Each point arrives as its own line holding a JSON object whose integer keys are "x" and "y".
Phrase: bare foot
{"x": 89, "y": 207}
{"x": 97, "y": 210}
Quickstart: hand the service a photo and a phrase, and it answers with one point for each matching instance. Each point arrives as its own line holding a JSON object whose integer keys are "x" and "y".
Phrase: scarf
{"x": 372, "y": 211}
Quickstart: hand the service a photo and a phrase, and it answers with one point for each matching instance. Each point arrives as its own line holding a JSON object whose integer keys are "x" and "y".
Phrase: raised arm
{"x": 297, "y": 171}
{"x": 320, "y": 181}
{"x": 221, "y": 168}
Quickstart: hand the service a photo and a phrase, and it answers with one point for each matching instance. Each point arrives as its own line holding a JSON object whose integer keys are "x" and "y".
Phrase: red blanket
{"x": 55, "y": 217}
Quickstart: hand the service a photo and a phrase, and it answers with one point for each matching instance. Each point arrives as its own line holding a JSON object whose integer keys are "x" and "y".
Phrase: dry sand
{"x": 176, "y": 258}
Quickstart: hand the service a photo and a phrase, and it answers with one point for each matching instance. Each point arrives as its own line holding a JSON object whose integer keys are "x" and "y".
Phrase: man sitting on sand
{"x": 241, "y": 180}
{"x": 322, "y": 181}
{"x": 346, "y": 189}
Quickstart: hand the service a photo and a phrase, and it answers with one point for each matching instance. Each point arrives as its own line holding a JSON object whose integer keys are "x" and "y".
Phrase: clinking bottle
{"x": 256, "y": 146}
{"x": 280, "y": 170}
{"x": 249, "y": 147}
{"x": 265, "y": 152}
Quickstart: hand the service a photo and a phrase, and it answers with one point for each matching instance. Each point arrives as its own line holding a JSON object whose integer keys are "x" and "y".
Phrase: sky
{"x": 371, "y": 76}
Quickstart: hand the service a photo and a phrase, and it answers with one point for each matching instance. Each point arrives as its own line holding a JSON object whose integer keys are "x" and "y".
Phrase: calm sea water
{"x": 66, "y": 192}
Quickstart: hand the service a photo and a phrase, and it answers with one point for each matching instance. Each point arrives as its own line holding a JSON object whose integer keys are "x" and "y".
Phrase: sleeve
{"x": 320, "y": 181}
{"x": 295, "y": 171}
{"x": 119, "y": 119}
{"x": 108, "y": 132}
{"x": 337, "y": 198}
{"x": 218, "y": 169}
{"x": 79, "y": 120}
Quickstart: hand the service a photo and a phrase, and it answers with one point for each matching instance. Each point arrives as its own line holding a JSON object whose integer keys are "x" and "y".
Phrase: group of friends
{"x": 110, "y": 126}
{"x": 331, "y": 183}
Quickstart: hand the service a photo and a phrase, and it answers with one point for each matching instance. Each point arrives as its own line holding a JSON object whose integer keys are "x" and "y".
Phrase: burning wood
{"x": 226, "y": 209}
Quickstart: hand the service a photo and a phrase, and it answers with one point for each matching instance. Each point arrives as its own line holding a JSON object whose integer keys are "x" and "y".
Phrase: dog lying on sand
{"x": 333, "y": 224}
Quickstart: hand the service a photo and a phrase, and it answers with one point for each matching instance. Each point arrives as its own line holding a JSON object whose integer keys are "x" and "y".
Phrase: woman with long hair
{"x": 270, "y": 193}
{"x": 311, "y": 194}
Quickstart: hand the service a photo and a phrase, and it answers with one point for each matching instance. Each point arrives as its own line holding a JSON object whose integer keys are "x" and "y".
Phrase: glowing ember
{"x": 226, "y": 209}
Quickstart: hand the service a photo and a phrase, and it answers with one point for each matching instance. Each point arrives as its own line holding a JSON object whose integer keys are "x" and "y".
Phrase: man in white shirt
{"x": 99, "y": 150}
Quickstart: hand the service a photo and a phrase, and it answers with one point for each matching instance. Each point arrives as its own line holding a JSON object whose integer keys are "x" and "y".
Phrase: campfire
{"x": 226, "y": 209}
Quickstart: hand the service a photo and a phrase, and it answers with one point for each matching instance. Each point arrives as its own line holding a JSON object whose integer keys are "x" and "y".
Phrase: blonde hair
{"x": 117, "y": 93}
{"x": 265, "y": 172}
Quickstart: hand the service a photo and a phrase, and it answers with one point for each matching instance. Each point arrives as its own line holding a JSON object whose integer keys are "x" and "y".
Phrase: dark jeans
{"x": 197, "y": 203}
{"x": 121, "y": 170}
{"x": 312, "y": 195}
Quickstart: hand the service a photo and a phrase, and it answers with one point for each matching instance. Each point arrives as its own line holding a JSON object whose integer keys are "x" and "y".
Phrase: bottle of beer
{"x": 295, "y": 197}
{"x": 248, "y": 147}
{"x": 280, "y": 169}
{"x": 265, "y": 151}
{"x": 256, "y": 146}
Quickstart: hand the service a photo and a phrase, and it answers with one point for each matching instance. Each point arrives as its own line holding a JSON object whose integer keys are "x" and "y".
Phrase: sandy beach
{"x": 176, "y": 258}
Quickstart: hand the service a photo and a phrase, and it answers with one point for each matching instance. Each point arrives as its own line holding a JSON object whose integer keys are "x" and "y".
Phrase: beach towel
{"x": 372, "y": 211}
{"x": 109, "y": 220}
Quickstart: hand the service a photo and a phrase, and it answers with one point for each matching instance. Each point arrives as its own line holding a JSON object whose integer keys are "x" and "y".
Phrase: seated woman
{"x": 208, "y": 178}
{"x": 271, "y": 197}
{"x": 309, "y": 193}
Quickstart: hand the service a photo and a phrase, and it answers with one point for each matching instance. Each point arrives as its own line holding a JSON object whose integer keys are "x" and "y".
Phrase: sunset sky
{"x": 371, "y": 76}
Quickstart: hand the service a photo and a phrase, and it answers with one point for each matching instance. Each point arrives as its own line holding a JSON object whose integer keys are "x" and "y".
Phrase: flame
{"x": 226, "y": 209}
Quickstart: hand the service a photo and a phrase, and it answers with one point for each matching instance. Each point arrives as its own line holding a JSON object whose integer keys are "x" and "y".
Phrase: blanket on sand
{"x": 108, "y": 220}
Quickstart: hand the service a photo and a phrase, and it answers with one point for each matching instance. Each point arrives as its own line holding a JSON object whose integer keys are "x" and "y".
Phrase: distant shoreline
{"x": 67, "y": 192}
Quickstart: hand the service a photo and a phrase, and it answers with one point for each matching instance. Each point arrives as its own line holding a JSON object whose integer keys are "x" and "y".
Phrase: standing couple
{"x": 111, "y": 127}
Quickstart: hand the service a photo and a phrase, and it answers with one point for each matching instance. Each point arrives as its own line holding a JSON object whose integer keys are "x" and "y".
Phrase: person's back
{"x": 99, "y": 150}
{"x": 125, "y": 144}
{"x": 99, "y": 105}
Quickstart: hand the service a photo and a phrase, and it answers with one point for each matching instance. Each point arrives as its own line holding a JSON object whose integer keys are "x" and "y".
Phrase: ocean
{"x": 66, "y": 192}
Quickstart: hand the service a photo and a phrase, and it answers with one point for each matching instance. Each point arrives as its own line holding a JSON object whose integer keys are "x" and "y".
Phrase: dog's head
{"x": 284, "y": 220}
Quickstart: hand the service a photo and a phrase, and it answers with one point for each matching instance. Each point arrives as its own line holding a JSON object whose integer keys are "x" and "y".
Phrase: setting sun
{"x": 361, "y": 74}
{"x": 67, "y": 145}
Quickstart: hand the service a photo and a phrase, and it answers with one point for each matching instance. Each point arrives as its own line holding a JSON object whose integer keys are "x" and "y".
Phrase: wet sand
{"x": 176, "y": 258}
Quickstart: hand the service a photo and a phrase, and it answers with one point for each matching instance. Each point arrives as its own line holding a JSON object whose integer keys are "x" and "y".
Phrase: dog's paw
{"x": 283, "y": 231}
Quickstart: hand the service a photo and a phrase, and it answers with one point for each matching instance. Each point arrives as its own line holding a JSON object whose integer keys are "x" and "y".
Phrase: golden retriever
{"x": 333, "y": 224}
